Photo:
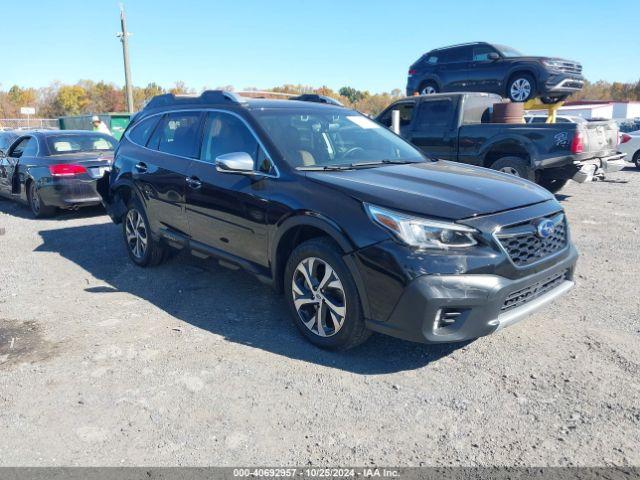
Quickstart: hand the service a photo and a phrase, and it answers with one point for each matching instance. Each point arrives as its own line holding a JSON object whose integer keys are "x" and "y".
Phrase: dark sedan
{"x": 55, "y": 169}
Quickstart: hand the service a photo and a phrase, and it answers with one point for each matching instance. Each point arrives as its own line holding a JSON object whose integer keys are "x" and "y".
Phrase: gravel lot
{"x": 104, "y": 363}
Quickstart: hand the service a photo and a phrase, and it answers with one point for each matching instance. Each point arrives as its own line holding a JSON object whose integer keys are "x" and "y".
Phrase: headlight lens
{"x": 552, "y": 64}
{"x": 420, "y": 232}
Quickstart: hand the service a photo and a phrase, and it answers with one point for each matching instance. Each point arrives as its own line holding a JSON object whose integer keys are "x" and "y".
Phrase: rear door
{"x": 433, "y": 129}
{"x": 453, "y": 69}
{"x": 227, "y": 211}
{"x": 160, "y": 171}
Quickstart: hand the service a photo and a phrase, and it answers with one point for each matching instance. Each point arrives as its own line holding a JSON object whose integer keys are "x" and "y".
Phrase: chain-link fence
{"x": 28, "y": 123}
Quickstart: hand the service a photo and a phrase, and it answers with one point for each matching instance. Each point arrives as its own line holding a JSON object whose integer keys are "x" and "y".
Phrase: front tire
{"x": 521, "y": 87}
{"x": 143, "y": 250}
{"x": 636, "y": 159}
{"x": 322, "y": 296}
{"x": 37, "y": 206}
{"x": 516, "y": 166}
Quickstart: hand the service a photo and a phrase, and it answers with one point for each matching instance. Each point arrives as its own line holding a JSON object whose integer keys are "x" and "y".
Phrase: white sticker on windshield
{"x": 362, "y": 122}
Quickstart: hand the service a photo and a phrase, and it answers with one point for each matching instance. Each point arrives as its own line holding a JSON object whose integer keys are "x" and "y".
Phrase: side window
{"x": 406, "y": 113}
{"x": 434, "y": 113}
{"x": 481, "y": 53}
{"x": 177, "y": 134}
{"x": 226, "y": 133}
{"x": 26, "y": 146}
{"x": 140, "y": 133}
{"x": 455, "y": 55}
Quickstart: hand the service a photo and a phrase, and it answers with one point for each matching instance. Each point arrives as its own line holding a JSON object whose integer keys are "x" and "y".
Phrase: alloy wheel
{"x": 319, "y": 297}
{"x": 136, "y": 233}
{"x": 520, "y": 89}
{"x": 429, "y": 90}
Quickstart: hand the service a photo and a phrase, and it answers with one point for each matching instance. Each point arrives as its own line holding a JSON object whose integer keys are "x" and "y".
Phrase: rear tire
{"x": 554, "y": 185}
{"x": 37, "y": 206}
{"x": 429, "y": 88}
{"x": 636, "y": 159}
{"x": 143, "y": 250}
{"x": 328, "y": 312}
{"x": 514, "y": 166}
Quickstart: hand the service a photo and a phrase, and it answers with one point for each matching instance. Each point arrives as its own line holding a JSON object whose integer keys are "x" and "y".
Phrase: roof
{"x": 459, "y": 45}
{"x": 219, "y": 97}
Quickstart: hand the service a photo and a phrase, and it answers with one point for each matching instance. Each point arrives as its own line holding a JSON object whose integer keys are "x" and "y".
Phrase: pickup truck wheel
{"x": 521, "y": 88}
{"x": 322, "y": 296}
{"x": 429, "y": 88}
{"x": 143, "y": 250}
{"x": 552, "y": 184}
{"x": 514, "y": 166}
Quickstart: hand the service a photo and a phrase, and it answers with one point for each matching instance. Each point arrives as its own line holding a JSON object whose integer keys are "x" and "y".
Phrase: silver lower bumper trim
{"x": 561, "y": 85}
{"x": 520, "y": 313}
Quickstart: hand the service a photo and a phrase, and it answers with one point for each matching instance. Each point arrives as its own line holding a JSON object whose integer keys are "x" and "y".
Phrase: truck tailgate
{"x": 601, "y": 137}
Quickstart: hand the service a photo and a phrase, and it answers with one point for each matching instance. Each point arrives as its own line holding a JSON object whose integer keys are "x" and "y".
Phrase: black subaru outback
{"x": 358, "y": 229}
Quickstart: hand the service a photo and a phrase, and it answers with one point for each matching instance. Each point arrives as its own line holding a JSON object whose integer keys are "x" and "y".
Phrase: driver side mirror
{"x": 235, "y": 162}
{"x": 493, "y": 56}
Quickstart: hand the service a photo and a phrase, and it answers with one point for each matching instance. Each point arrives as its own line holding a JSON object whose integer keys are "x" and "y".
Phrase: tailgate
{"x": 601, "y": 138}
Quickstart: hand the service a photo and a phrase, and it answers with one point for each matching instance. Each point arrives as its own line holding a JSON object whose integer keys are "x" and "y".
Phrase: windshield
{"x": 333, "y": 138}
{"x": 508, "y": 51}
{"x": 79, "y": 143}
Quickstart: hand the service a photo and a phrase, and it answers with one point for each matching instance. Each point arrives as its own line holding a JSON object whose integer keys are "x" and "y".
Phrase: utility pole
{"x": 124, "y": 38}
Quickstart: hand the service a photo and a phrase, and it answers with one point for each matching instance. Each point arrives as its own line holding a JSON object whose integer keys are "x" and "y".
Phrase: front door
{"x": 227, "y": 211}
{"x": 486, "y": 74}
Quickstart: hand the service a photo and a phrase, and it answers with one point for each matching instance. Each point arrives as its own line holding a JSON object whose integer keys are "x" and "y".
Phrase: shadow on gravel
{"x": 22, "y": 211}
{"x": 228, "y": 303}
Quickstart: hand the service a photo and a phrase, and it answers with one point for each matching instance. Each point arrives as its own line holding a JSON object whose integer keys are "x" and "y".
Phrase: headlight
{"x": 420, "y": 232}
{"x": 552, "y": 64}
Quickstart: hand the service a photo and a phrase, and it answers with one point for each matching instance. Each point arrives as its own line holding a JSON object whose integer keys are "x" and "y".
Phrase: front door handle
{"x": 194, "y": 182}
{"x": 141, "y": 167}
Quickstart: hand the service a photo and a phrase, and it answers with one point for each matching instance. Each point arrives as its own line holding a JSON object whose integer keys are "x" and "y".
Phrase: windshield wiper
{"x": 386, "y": 161}
{"x": 324, "y": 168}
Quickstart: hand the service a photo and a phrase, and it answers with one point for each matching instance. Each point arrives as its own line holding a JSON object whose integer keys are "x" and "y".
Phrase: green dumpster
{"x": 116, "y": 121}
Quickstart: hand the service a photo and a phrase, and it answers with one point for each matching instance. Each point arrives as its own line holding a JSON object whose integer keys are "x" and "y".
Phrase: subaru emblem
{"x": 545, "y": 228}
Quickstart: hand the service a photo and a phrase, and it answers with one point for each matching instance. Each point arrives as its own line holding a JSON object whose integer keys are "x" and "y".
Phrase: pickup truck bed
{"x": 455, "y": 127}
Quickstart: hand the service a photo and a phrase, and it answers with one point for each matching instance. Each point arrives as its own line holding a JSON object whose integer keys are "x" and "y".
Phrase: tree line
{"x": 89, "y": 97}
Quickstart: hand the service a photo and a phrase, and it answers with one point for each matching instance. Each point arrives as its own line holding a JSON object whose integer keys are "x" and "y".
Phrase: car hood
{"x": 540, "y": 59}
{"x": 435, "y": 189}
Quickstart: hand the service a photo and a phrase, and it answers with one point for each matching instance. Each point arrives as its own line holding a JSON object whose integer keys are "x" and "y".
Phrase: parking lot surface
{"x": 104, "y": 363}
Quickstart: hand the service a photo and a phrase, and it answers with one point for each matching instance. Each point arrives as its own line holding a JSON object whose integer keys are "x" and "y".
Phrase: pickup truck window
{"x": 434, "y": 113}
{"x": 476, "y": 111}
{"x": 406, "y": 114}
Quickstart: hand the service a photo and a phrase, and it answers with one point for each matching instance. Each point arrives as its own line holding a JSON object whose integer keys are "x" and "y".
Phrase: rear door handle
{"x": 194, "y": 182}
{"x": 141, "y": 167}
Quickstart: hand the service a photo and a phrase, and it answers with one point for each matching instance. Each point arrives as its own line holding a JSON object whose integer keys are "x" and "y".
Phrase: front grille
{"x": 524, "y": 295}
{"x": 570, "y": 67}
{"x": 524, "y": 246}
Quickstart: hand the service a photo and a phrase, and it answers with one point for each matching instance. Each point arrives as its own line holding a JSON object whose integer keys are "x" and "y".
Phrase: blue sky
{"x": 249, "y": 43}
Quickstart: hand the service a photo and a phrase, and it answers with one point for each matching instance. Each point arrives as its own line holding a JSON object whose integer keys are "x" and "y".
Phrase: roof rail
{"x": 314, "y": 97}
{"x": 206, "y": 97}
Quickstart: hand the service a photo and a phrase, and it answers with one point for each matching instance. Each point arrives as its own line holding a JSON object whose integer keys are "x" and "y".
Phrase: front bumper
{"x": 454, "y": 308}
{"x": 69, "y": 193}
{"x": 563, "y": 83}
